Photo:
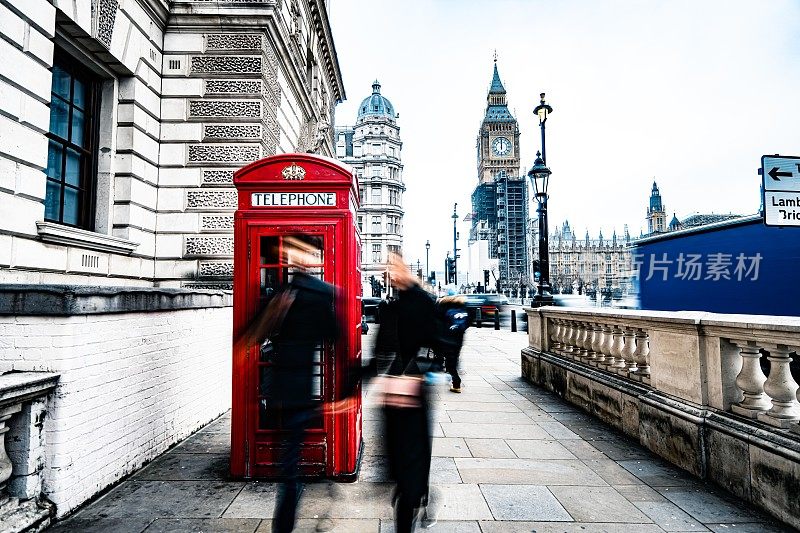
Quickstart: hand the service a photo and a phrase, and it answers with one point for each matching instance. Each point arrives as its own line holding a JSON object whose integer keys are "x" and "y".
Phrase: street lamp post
{"x": 455, "y": 246}
{"x": 539, "y": 175}
{"x": 427, "y": 257}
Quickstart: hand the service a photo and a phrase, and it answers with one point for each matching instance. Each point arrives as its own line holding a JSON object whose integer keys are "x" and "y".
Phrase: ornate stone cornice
{"x": 322, "y": 26}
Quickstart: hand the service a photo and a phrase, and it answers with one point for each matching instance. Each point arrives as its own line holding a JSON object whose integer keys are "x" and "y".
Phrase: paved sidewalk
{"x": 508, "y": 457}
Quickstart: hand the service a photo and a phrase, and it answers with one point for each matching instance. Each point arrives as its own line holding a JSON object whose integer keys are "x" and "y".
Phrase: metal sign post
{"x": 781, "y": 190}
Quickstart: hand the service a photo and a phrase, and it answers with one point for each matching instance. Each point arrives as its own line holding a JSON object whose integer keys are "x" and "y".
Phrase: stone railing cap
{"x": 21, "y": 386}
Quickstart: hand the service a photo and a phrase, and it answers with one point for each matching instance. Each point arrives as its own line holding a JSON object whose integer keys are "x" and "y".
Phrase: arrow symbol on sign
{"x": 775, "y": 172}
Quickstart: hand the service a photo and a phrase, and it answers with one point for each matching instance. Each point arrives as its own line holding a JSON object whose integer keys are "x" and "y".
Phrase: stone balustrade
{"x": 23, "y": 405}
{"x": 713, "y": 393}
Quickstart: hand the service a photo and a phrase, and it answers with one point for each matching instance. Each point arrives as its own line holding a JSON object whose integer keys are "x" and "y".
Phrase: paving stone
{"x": 443, "y": 470}
{"x": 558, "y": 431}
{"x": 206, "y": 442}
{"x": 186, "y": 467}
{"x": 709, "y": 507}
{"x": 347, "y": 500}
{"x": 566, "y": 527}
{"x": 169, "y": 499}
{"x": 100, "y": 525}
{"x": 657, "y": 473}
{"x": 669, "y": 518}
{"x": 750, "y": 528}
{"x": 493, "y": 448}
{"x": 340, "y": 525}
{"x": 582, "y": 449}
{"x": 513, "y": 502}
{"x": 612, "y": 473}
{"x": 640, "y": 493}
{"x": 450, "y": 405}
{"x": 621, "y": 449}
{"x": 374, "y": 468}
{"x": 441, "y": 526}
{"x": 202, "y": 525}
{"x": 220, "y": 425}
{"x": 527, "y": 472}
{"x": 461, "y": 502}
{"x": 598, "y": 504}
{"x": 490, "y": 418}
{"x": 450, "y": 447}
{"x": 256, "y": 500}
{"x": 539, "y": 449}
{"x": 491, "y": 431}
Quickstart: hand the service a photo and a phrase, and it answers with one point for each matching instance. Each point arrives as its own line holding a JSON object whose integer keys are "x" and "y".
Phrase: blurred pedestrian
{"x": 452, "y": 322}
{"x": 410, "y": 323}
{"x": 299, "y": 319}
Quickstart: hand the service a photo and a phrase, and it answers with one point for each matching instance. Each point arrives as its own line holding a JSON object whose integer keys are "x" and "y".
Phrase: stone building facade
{"x": 373, "y": 148}
{"x": 124, "y": 122}
{"x": 121, "y": 124}
{"x": 588, "y": 265}
{"x": 500, "y": 200}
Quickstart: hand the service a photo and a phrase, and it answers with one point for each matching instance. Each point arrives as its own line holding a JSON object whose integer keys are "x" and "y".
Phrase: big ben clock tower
{"x": 498, "y": 138}
{"x": 499, "y": 203}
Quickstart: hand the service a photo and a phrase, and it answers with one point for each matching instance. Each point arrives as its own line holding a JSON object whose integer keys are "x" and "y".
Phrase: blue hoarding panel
{"x": 741, "y": 268}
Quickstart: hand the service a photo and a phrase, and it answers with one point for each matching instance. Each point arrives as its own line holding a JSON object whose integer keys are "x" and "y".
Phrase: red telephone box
{"x": 281, "y": 196}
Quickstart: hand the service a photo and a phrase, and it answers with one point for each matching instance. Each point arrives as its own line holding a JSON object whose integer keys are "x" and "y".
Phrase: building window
{"x": 361, "y": 223}
{"x": 72, "y": 149}
{"x": 608, "y": 268}
{"x": 361, "y": 194}
{"x": 376, "y": 253}
{"x": 376, "y": 195}
{"x": 376, "y": 224}
{"x": 393, "y": 225}
{"x": 394, "y": 196}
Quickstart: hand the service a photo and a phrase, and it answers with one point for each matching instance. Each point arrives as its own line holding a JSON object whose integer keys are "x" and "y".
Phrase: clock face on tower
{"x": 501, "y": 146}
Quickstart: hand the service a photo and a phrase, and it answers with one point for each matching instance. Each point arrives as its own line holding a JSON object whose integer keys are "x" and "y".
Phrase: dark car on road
{"x": 489, "y": 304}
{"x": 369, "y": 308}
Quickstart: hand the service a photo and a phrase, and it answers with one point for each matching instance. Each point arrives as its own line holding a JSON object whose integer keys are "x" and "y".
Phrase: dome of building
{"x": 376, "y": 104}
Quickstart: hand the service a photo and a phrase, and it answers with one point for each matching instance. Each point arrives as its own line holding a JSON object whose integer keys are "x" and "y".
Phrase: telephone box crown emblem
{"x": 294, "y": 172}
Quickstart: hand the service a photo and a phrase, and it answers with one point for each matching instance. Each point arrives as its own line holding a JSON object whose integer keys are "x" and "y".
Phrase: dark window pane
{"x": 71, "y": 213}
{"x": 78, "y": 126}
{"x": 52, "y": 201}
{"x": 61, "y": 82}
{"x": 79, "y": 94}
{"x": 55, "y": 154}
{"x": 73, "y": 168}
{"x": 59, "y": 117}
{"x": 269, "y": 250}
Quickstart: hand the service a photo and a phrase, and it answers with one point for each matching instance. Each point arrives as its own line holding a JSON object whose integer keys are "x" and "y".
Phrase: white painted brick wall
{"x": 132, "y": 385}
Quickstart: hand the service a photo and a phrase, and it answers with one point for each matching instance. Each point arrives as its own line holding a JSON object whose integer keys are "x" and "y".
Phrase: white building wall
{"x": 132, "y": 385}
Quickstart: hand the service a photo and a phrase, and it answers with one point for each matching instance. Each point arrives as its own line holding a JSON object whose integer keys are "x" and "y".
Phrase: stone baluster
{"x": 563, "y": 331}
{"x": 750, "y": 381}
{"x": 583, "y": 340}
{"x": 591, "y": 342}
{"x": 616, "y": 348}
{"x": 555, "y": 326}
{"x": 5, "y": 462}
{"x": 796, "y": 427}
{"x": 605, "y": 345}
{"x": 781, "y": 388}
{"x": 628, "y": 350}
{"x": 642, "y": 354}
{"x": 572, "y": 330}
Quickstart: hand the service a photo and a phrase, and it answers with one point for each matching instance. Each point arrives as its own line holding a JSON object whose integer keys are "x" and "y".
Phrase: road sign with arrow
{"x": 781, "y": 186}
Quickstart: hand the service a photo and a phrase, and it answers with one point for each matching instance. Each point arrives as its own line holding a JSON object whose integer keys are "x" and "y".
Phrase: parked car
{"x": 369, "y": 308}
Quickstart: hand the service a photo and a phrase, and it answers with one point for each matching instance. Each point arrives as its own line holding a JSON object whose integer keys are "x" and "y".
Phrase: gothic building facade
{"x": 657, "y": 217}
{"x": 373, "y": 148}
{"x": 499, "y": 201}
{"x": 589, "y": 265}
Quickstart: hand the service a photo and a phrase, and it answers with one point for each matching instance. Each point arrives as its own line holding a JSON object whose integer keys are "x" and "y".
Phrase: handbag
{"x": 400, "y": 391}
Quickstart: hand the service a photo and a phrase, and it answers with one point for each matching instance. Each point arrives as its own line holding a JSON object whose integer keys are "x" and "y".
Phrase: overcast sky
{"x": 690, "y": 93}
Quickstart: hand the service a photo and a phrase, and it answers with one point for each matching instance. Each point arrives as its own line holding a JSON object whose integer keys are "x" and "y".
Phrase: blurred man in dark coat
{"x": 309, "y": 322}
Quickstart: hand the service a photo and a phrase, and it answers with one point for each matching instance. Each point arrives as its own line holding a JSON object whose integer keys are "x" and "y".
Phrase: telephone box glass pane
{"x": 275, "y": 256}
